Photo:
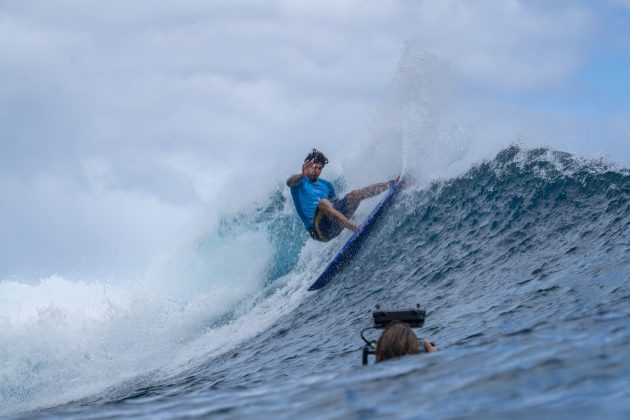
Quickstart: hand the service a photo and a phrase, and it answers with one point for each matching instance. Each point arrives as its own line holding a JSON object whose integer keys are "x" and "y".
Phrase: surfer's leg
{"x": 326, "y": 228}
{"x": 355, "y": 197}
{"x": 335, "y": 215}
{"x": 346, "y": 207}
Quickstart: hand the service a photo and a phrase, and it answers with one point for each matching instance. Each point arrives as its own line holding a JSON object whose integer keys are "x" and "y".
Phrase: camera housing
{"x": 382, "y": 317}
{"x": 413, "y": 317}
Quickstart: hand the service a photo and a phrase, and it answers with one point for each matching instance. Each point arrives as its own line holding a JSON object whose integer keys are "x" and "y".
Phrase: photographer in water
{"x": 398, "y": 339}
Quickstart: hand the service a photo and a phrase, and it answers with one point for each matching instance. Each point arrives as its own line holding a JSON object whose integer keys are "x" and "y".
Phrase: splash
{"x": 419, "y": 129}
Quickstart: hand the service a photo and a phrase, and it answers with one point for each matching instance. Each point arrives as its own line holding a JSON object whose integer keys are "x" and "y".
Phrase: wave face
{"x": 523, "y": 264}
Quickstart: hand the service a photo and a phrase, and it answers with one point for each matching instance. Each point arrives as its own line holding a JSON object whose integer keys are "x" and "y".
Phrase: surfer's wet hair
{"x": 317, "y": 157}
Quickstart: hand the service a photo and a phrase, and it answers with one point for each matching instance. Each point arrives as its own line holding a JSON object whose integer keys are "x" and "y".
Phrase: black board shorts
{"x": 324, "y": 229}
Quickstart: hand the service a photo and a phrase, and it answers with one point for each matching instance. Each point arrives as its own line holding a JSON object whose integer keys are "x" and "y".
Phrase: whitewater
{"x": 521, "y": 260}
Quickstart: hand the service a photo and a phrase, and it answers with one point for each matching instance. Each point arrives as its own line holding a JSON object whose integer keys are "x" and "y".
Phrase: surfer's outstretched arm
{"x": 356, "y": 196}
{"x": 327, "y": 208}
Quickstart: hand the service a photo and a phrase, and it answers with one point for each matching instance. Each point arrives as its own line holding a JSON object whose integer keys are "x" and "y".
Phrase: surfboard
{"x": 353, "y": 244}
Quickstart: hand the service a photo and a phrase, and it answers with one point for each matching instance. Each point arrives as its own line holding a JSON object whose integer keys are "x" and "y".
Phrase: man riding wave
{"x": 323, "y": 214}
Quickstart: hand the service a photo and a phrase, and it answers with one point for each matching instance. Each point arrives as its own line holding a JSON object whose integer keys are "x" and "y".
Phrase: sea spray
{"x": 418, "y": 128}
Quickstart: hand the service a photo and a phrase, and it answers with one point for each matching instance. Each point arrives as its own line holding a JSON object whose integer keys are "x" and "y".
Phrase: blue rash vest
{"x": 306, "y": 195}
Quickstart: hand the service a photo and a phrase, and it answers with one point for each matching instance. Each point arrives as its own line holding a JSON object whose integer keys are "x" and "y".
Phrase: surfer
{"x": 323, "y": 214}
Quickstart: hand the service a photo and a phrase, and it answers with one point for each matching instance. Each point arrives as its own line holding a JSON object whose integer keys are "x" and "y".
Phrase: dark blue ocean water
{"x": 523, "y": 266}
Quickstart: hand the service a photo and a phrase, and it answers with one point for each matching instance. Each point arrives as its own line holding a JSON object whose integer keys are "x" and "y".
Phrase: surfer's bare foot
{"x": 354, "y": 227}
{"x": 404, "y": 182}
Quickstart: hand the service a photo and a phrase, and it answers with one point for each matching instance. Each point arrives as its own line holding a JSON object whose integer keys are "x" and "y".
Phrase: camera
{"x": 413, "y": 317}
{"x": 382, "y": 317}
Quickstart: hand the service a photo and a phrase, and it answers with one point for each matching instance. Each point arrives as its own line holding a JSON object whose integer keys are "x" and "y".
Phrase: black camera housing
{"x": 413, "y": 317}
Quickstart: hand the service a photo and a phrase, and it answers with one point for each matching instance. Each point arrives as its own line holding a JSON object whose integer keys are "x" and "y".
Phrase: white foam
{"x": 62, "y": 338}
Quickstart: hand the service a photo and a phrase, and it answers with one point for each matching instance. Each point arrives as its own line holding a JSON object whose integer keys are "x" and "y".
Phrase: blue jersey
{"x": 307, "y": 194}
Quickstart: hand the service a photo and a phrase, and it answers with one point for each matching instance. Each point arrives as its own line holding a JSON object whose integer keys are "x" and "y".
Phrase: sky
{"x": 125, "y": 127}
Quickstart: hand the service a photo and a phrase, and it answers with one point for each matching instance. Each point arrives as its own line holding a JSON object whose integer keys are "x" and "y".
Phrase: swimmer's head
{"x": 397, "y": 340}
